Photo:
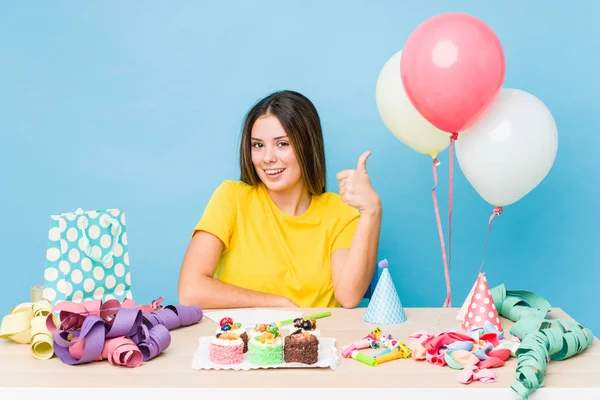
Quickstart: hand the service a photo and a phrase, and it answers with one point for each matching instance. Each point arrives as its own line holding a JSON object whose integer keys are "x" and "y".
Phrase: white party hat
{"x": 385, "y": 306}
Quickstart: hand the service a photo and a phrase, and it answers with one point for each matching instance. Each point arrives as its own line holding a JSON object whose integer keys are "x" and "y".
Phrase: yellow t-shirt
{"x": 270, "y": 251}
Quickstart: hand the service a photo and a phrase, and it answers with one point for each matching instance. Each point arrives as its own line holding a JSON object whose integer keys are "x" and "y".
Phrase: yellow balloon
{"x": 401, "y": 117}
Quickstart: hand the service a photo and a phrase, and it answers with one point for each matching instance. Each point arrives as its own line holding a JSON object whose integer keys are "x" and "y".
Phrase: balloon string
{"x": 447, "y": 302}
{"x": 497, "y": 211}
{"x": 453, "y": 138}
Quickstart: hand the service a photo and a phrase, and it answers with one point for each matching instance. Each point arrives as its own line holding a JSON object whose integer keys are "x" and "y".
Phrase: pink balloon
{"x": 453, "y": 69}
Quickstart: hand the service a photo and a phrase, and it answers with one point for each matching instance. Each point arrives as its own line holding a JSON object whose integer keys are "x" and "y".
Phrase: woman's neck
{"x": 293, "y": 201}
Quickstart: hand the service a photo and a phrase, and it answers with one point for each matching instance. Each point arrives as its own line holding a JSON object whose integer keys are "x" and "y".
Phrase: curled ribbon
{"x": 26, "y": 324}
{"x": 125, "y": 336}
{"x": 542, "y": 339}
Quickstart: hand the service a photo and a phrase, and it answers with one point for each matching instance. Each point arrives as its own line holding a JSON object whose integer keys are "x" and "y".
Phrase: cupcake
{"x": 227, "y": 325}
{"x": 301, "y": 347}
{"x": 258, "y": 330}
{"x": 226, "y": 348}
{"x": 266, "y": 348}
{"x": 305, "y": 325}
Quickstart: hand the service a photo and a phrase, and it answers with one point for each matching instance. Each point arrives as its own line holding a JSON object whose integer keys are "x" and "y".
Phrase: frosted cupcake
{"x": 304, "y": 325}
{"x": 226, "y": 348}
{"x": 266, "y": 348}
{"x": 227, "y": 325}
{"x": 258, "y": 330}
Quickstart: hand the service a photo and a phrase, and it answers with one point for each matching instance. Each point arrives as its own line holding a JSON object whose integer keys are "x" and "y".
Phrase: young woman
{"x": 276, "y": 238}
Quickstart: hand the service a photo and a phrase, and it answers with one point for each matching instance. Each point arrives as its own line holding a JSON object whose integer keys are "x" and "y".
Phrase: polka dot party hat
{"x": 481, "y": 307}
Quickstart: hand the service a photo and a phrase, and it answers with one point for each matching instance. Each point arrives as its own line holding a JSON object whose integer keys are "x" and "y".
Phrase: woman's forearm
{"x": 207, "y": 292}
{"x": 198, "y": 287}
{"x": 357, "y": 272}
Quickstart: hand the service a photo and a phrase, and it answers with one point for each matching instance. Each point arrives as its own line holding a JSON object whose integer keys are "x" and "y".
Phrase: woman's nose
{"x": 270, "y": 156}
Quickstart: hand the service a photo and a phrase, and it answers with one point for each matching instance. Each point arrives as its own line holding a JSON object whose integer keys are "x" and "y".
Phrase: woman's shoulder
{"x": 234, "y": 190}
{"x": 233, "y": 186}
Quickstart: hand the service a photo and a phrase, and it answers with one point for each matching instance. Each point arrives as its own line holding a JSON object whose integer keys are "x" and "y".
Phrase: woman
{"x": 277, "y": 238}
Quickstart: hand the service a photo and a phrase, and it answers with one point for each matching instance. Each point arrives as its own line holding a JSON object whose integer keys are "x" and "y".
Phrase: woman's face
{"x": 273, "y": 156}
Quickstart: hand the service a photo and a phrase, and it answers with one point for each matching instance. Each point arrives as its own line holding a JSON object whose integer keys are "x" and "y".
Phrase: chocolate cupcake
{"x": 305, "y": 325}
{"x": 301, "y": 347}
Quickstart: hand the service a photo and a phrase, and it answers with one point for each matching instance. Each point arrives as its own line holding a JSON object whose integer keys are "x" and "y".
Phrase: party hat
{"x": 481, "y": 307}
{"x": 385, "y": 306}
{"x": 465, "y": 307}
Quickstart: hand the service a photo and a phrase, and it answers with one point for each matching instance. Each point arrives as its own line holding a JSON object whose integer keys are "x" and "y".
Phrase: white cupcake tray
{"x": 328, "y": 358}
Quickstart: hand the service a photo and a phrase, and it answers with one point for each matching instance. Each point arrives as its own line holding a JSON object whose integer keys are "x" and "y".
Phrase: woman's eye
{"x": 282, "y": 144}
{"x": 257, "y": 145}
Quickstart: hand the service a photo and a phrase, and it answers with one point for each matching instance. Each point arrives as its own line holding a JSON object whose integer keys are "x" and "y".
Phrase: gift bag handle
{"x": 87, "y": 247}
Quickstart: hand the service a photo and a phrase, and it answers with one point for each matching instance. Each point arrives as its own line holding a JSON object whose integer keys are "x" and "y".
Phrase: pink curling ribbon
{"x": 447, "y": 301}
{"x": 118, "y": 351}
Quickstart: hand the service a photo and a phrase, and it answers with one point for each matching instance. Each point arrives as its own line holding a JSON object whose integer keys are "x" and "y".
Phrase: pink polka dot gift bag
{"x": 87, "y": 257}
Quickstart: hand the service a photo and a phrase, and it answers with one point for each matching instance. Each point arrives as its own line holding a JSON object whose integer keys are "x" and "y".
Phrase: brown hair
{"x": 300, "y": 120}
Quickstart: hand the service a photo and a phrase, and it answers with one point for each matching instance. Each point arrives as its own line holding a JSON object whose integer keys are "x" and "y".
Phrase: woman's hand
{"x": 356, "y": 189}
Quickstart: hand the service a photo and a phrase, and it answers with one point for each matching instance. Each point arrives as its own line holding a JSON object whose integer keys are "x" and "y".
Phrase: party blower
{"x": 371, "y": 340}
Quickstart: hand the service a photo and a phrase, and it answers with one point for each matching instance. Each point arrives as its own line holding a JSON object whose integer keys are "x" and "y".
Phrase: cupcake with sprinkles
{"x": 305, "y": 325}
{"x": 259, "y": 329}
{"x": 227, "y": 325}
{"x": 226, "y": 348}
{"x": 266, "y": 348}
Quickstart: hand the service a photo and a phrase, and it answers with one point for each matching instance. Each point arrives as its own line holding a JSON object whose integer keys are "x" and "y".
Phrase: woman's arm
{"x": 198, "y": 287}
{"x": 352, "y": 269}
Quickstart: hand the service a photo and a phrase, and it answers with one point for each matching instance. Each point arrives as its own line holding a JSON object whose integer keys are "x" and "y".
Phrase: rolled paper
{"x": 123, "y": 334}
{"x": 16, "y": 326}
{"x": 362, "y": 344}
{"x": 358, "y": 356}
{"x": 156, "y": 342}
{"x": 384, "y": 352}
{"x": 122, "y": 351}
{"x": 542, "y": 339}
{"x": 26, "y": 324}
{"x": 347, "y": 352}
{"x": 188, "y": 315}
{"x": 392, "y": 355}
{"x": 119, "y": 351}
{"x": 93, "y": 330}
{"x": 41, "y": 338}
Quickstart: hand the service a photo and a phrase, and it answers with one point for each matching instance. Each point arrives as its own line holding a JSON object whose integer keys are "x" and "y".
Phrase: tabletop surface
{"x": 172, "y": 369}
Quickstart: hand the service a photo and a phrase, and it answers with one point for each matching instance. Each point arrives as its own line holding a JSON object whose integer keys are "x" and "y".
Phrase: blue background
{"x": 139, "y": 104}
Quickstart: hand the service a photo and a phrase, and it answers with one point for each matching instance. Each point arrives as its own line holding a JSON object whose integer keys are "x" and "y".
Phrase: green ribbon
{"x": 542, "y": 339}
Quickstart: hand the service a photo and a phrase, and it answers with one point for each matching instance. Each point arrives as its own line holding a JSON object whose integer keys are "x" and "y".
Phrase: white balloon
{"x": 401, "y": 117}
{"x": 510, "y": 150}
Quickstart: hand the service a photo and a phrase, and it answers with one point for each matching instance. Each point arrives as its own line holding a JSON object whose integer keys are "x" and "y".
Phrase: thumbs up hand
{"x": 355, "y": 187}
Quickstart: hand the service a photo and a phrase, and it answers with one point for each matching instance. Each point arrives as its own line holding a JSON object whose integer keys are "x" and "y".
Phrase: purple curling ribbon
{"x": 153, "y": 341}
{"x": 93, "y": 330}
{"x": 173, "y": 317}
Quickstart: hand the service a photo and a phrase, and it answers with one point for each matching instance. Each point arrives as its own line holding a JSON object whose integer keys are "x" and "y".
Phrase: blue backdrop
{"x": 139, "y": 105}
